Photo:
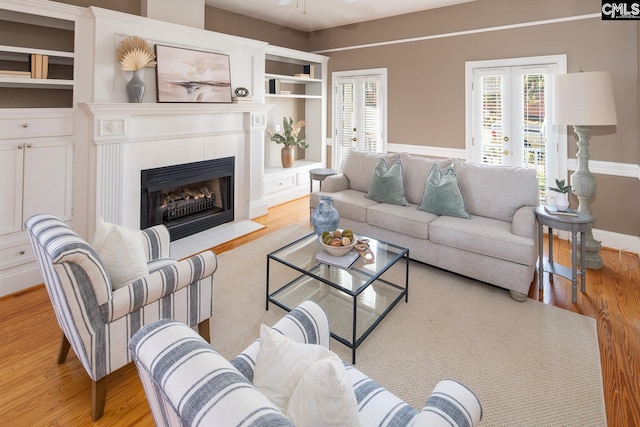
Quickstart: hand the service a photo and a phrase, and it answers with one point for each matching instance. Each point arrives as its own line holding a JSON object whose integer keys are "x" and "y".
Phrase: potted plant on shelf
{"x": 562, "y": 198}
{"x": 291, "y": 138}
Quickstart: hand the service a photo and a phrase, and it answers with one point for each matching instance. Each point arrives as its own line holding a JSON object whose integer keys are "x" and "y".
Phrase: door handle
{"x": 505, "y": 152}
{"x": 506, "y": 139}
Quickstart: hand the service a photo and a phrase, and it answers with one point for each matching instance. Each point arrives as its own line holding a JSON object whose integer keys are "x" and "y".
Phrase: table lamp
{"x": 584, "y": 99}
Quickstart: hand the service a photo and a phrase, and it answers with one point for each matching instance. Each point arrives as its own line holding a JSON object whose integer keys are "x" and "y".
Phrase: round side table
{"x": 575, "y": 224}
{"x": 319, "y": 174}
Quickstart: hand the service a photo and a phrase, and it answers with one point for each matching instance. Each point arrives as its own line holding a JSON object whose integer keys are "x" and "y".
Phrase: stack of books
{"x": 555, "y": 211}
{"x": 39, "y": 66}
{"x": 344, "y": 261}
{"x": 12, "y": 73}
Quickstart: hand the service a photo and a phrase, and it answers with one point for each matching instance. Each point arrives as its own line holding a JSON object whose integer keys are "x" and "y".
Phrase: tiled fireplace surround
{"x": 129, "y": 138}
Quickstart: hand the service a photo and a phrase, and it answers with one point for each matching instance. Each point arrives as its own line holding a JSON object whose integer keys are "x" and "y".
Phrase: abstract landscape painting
{"x": 185, "y": 75}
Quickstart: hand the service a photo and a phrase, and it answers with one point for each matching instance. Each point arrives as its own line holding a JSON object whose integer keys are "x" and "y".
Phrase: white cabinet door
{"x": 47, "y": 177}
{"x": 11, "y": 172}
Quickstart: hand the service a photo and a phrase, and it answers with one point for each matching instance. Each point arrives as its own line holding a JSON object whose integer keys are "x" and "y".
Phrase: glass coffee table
{"x": 355, "y": 299}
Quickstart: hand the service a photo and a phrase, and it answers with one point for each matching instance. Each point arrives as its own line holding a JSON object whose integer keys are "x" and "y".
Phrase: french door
{"x": 511, "y": 120}
{"x": 359, "y": 113}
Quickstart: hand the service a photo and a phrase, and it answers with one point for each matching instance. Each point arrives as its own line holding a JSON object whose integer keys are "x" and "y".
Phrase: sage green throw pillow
{"x": 387, "y": 184}
{"x": 442, "y": 195}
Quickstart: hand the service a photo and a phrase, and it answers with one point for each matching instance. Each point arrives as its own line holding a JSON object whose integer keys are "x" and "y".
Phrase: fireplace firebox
{"x": 188, "y": 198}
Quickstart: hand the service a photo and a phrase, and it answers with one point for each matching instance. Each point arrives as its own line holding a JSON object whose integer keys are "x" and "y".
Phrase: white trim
{"x": 628, "y": 170}
{"x": 422, "y": 150}
{"x": 609, "y": 239}
{"x": 617, "y": 241}
{"x": 464, "y": 33}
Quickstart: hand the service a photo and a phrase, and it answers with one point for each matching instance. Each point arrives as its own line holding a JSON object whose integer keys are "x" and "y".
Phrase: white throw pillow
{"x": 282, "y": 363}
{"x": 122, "y": 252}
{"x": 324, "y": 397}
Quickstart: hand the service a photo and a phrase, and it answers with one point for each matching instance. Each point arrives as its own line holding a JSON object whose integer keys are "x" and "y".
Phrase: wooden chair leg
{"x": 203, "y": 330}
{"x": 98, "y": 397}
{"x": 64, "y": 349}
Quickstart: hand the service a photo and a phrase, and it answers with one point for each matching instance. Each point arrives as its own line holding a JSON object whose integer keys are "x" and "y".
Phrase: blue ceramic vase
{"x": 325, "y": 217}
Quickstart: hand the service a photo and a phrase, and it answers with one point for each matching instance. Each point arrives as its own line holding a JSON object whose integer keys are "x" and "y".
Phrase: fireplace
{"x": 188, "y": 198}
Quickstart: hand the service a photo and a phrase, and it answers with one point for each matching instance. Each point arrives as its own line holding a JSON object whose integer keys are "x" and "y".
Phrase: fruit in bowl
{"x": 338, "y": 242}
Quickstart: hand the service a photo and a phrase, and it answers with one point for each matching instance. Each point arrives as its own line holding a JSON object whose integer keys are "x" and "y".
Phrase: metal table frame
{"x": 403, "y": 253}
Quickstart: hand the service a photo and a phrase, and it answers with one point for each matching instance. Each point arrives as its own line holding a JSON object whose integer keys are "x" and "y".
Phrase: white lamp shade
{"x": 584, "y": 99}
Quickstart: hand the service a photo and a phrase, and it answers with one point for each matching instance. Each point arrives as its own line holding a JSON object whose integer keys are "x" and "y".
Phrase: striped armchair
{"x": 98, "y": 321}
{"x": 188, "y": 383}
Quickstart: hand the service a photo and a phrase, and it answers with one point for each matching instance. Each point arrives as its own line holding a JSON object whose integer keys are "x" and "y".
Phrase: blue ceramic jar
{"x": 325, "y": 217}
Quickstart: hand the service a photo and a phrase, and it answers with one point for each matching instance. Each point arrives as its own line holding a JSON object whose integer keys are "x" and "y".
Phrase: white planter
{"x": 562, "y": 201}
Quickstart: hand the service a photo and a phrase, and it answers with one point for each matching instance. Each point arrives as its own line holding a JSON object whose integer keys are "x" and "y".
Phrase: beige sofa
{"x": 497, "y": 244}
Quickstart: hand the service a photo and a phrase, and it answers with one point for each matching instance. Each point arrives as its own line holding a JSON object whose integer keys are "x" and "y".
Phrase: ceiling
{"x": 321, "y": 14}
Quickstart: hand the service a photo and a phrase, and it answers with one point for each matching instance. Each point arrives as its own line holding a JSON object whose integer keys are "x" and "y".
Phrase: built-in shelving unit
{"x": 301, "y": 98}
{"x": 37, "y": 68}
{"x": 20, "y": 58}
{"x": 305, "y": 83}
{"x": 31, "y": 35}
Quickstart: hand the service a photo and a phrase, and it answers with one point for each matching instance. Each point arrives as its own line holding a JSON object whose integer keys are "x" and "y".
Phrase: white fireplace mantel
{"x": 112, "y": 122}
{"x": 129, "y": 138}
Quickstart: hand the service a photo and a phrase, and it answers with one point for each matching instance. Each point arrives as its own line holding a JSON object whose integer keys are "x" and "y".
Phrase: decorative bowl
{"x": 338, "y": 250}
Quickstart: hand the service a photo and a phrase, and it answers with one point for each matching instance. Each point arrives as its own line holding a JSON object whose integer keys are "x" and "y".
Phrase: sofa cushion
{"x": 442, "y": 195}
{"x": 485, "y": 236}
{"x": 415, "y": 170}
{"x": 496, "y": 191}
{"x": 360, "y": 164}
{"x": 386, "y": 185}
{"x": 401, "y": 219}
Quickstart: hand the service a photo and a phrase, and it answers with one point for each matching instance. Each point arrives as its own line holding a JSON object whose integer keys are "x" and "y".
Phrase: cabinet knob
{"x": 25, "y": 125}
{"x": 22, "y": 252}
{"x": 19, "y": 147}
{"x": 29, "y": 145}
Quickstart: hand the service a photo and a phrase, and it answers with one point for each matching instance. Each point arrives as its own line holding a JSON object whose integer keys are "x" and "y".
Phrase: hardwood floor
{"x": 36, "y": 391}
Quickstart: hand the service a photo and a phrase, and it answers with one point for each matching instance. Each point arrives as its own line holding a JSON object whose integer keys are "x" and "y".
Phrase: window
{"x": 359, "y": 113}
{"x": 510, "y": 105}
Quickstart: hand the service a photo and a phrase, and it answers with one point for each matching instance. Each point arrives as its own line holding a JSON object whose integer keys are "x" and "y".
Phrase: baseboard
{"x": 19, "y": 278}
{"x": 609, "y": 239}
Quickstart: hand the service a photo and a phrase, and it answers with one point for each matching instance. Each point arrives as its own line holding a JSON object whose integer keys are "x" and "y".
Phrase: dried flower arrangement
{"x": 135, "y": 53}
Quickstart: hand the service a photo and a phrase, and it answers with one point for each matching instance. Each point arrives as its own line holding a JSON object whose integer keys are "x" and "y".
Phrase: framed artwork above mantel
{"x": 186, "y": 75}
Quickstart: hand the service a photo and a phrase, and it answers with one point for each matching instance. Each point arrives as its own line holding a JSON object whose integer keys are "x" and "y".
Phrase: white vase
{"x": 562, "y": 201}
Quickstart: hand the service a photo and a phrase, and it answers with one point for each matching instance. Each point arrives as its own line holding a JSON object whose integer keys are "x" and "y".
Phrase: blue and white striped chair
{"x": 97, "y": 321}
{"x": 188, "y": 383}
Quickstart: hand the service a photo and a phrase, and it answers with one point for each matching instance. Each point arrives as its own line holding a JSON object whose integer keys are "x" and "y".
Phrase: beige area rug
{"x": 529, "y": 363}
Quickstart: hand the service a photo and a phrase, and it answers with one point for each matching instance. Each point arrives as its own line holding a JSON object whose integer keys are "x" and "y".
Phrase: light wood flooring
{"x": 36, "y": 391}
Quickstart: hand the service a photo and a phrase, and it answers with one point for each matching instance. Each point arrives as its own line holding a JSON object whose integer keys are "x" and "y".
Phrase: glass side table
{"x": 574, "y": 224}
